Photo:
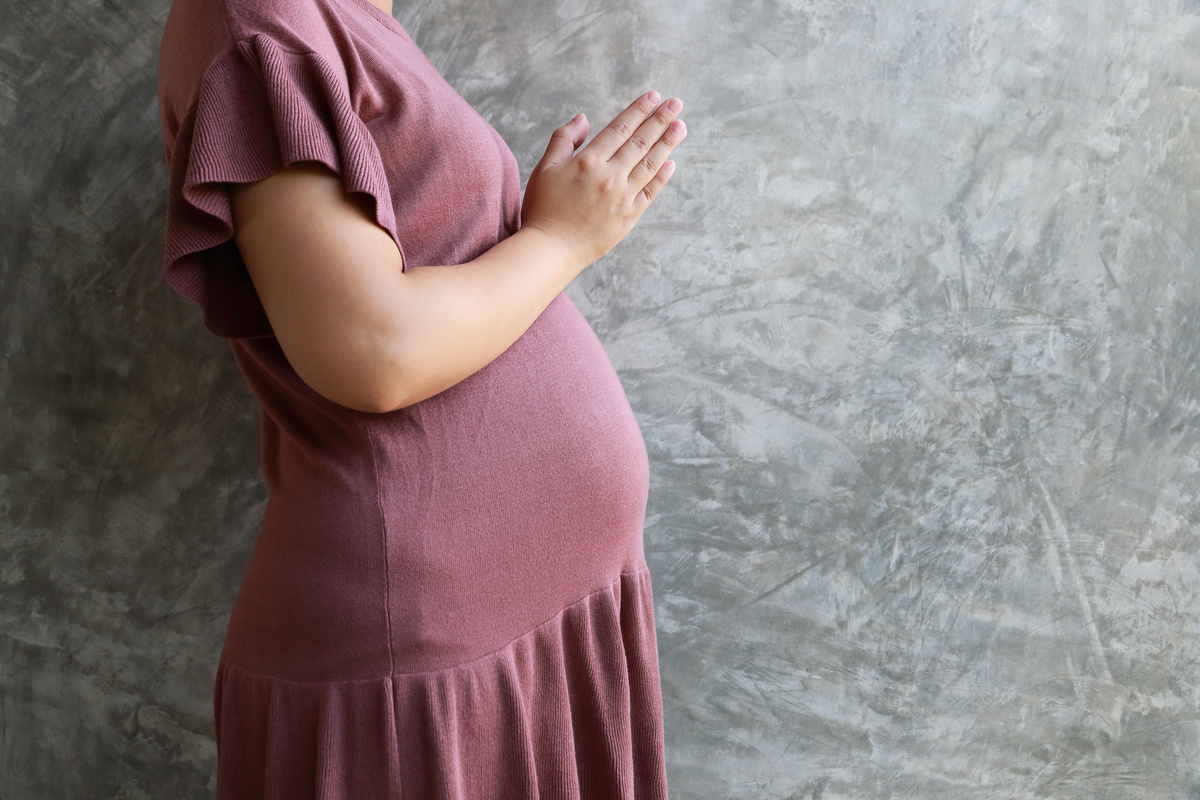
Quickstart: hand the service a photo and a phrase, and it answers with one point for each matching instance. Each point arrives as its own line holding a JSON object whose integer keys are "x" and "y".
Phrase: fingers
{"x": 617, "y": 132}
{"x": 646, "y": 136}
{"x": 650, "y": 163}
{"x": 565, "y": 140}
{"x": 653, "y": 187}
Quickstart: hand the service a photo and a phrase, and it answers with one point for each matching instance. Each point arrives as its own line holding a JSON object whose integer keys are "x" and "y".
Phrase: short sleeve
{"x": 259, "y": 108}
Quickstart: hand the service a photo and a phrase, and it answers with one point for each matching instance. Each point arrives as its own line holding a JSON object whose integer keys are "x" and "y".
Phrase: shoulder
{"x": 217, "y": 24}
{"x": 297, "y": 25}
{"x": 199, "y": 33}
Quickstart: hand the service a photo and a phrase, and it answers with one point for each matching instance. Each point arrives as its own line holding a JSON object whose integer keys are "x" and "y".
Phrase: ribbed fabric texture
{"x": 446, "y": 602}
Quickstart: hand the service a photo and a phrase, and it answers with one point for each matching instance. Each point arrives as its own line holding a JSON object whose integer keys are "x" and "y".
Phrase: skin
{"x": 368, "y": 336}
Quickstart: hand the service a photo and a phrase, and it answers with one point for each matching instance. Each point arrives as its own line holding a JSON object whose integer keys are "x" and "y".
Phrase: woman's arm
{"x": 366, "y": 335}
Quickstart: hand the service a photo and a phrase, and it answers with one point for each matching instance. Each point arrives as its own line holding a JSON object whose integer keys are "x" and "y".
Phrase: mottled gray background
{"x": 913, "y": 337}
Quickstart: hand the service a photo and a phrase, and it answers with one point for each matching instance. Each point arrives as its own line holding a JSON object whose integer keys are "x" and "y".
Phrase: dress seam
{"x": 383, "y": 531}
{"x": 642, "y": 569}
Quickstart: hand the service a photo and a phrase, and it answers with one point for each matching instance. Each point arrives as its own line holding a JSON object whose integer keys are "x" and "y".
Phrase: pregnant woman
{"x": 449, "y": 597}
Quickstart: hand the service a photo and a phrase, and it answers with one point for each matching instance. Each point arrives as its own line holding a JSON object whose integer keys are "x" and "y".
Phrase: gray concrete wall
{"x": 913, "y": 337}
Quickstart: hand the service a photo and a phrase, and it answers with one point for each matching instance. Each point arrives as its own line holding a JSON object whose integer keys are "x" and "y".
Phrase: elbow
{"x": 376, "y": 402}
{"x": 372, "y": 394}
{"x": 375, "y": 370}
{"x": 376, "y": 384}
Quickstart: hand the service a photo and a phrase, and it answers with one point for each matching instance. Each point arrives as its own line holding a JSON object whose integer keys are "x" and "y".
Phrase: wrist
{"x": 557, "y": 248}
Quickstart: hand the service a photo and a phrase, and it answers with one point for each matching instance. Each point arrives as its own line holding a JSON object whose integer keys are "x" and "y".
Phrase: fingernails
{"x": 674, "y": 105}
{"x": 654, "y": 96}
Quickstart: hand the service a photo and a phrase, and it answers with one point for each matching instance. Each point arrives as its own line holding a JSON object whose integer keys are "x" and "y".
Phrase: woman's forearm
{"x": 451, "y": 321}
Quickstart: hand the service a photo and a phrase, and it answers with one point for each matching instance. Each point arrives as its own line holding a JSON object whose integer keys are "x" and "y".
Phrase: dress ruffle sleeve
{"x": 260, "y": 108}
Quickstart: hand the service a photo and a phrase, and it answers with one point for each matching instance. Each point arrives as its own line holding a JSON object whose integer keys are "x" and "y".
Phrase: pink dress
{"x": 449, "y": 601}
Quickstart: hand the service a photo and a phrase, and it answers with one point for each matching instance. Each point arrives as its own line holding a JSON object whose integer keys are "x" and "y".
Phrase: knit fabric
{"x": 445, "y": 602}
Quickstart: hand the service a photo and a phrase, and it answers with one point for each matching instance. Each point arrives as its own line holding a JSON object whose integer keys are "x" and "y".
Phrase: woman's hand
{"x": 591, "y": 199}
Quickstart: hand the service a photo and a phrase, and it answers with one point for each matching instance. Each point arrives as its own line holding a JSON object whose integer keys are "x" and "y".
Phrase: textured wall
{"x": 913, "y": 336}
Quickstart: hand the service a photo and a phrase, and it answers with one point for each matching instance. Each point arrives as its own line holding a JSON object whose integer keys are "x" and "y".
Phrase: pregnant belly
{"x": 453, "y": 526}
{"x": 514, "y": 493}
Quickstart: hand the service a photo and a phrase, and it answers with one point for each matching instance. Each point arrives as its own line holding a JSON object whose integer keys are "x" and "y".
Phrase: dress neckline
{"x": 384, "y": 17}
